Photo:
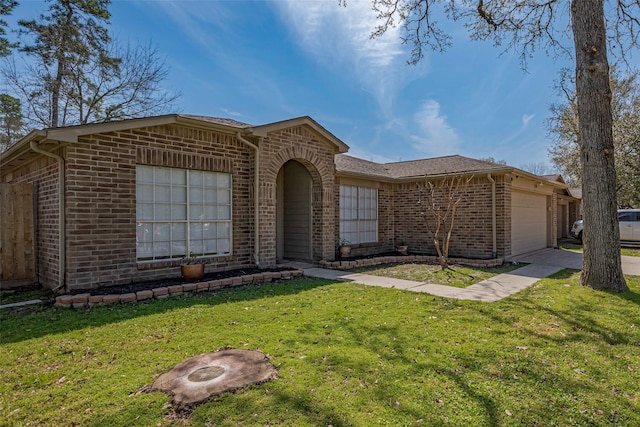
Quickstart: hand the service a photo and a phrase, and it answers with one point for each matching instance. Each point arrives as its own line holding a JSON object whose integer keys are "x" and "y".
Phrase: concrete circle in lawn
{"x": 196, "y": 379}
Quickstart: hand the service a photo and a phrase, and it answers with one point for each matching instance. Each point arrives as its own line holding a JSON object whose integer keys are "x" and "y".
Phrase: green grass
{"x": 457, "y": 276}
{"x": 11, "y": 296}
{"x": 570, "y": 246}
{"x": 630, "y": 251}
{"x": 347, "y": 355}
{"x": 575, "y": 247}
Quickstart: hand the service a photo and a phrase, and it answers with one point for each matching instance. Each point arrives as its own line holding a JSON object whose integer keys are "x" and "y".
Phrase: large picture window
{"x": 358, "y": 214}
{"x": 182, "y": 212}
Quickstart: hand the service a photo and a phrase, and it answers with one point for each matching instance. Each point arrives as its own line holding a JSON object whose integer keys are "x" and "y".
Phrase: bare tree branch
{"x": 438, "y": 202}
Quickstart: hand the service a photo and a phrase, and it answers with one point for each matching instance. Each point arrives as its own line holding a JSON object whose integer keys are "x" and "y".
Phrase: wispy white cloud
{"x": 196, "y": 22}
{"x": 340, "y": 38}
{"x": 210, "y": 29}
{"x": 332, "y": 32}
{"x": 526, "y": 118}
{"x": 436, "y": 136}
{"x": 232, "y": 113}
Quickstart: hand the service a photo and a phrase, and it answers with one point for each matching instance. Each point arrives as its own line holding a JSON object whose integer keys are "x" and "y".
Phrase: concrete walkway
{"x": 542, "y": 263}
{"x": 569, "y": 259}
{"x": 21, "y": 304}
{"x": 493, "y": 289}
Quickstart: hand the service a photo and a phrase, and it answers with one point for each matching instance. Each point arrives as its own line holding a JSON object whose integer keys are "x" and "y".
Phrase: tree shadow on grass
{"x": 629, "y": 295}
{"x": 44, "y": 321}
{"x": 469, "y": 376}
{"x": 380, "y": 365}
{"x": 579, "y": 319}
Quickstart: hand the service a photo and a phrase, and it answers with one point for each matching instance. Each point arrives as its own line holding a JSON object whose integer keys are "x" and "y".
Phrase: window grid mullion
{"x": 169, "y": 201}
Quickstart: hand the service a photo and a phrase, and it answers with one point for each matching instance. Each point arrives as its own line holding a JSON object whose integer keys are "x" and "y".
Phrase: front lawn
{"x": 458, "y": 276}
{"x": 347, "y": 355}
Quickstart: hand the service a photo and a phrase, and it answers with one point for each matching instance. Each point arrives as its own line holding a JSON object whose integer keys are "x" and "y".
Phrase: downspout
{"x": 494, "y": 254}
{"x": 256, "y": 202}
{"x": 61, "y": 211}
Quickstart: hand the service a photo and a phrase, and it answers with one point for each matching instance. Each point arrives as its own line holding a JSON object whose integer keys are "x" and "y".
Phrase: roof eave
{"x": 500, "y": 171}
{"x": 72, "y": 133}
{"x": 345, "y": 174}
{"x": 534, "y": 177}
{"x": 414, "y": 178}
{"x": 203, "y": 124}
{"x": 264, "y": 130}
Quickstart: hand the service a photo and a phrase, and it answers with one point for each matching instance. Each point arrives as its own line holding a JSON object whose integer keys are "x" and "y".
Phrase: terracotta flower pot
{"x": 192, "y": 272}
{"x": 402, "y": 249}
{"x": 345, "y": 251}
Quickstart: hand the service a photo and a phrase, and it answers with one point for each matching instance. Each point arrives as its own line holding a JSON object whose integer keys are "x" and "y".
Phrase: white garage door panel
{"x": 528, "y": 222}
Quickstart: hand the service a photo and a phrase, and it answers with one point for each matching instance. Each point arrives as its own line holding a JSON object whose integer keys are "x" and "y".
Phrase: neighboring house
{"x": 569, "y": 206}
{"x": 125, "y": 201}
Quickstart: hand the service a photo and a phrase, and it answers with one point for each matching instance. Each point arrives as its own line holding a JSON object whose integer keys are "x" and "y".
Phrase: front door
{"x": 294, "y": 212}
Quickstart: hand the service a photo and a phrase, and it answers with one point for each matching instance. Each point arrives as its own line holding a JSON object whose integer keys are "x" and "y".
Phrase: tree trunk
{"x": 601, "y": 265}
{"x": 61, "y": 69}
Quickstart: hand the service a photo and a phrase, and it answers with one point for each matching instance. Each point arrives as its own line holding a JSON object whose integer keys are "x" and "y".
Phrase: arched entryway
{"x": 294, "y": 224}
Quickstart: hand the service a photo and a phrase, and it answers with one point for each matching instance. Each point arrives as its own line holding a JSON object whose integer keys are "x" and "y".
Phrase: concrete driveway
{"x": 568, "y": 259}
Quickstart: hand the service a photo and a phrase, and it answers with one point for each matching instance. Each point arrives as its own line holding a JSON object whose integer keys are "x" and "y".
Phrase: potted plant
{"x": 402, "y": 247}
{"x": 192, "y": 268}
{"x": 344, "y": 248}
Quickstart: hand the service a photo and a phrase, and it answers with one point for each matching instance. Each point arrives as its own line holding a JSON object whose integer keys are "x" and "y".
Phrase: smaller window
{"x": 358, "y": 214}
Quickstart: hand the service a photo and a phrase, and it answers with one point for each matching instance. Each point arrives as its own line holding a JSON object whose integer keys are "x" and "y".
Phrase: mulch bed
{"x": 152, "y": 284}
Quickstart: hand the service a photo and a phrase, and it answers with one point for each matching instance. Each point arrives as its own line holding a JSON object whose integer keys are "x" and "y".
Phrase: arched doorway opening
{"x": 294, "y": 222}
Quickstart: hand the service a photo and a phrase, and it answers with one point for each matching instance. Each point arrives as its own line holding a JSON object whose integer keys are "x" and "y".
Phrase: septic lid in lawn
{"x": 198, "y": 378}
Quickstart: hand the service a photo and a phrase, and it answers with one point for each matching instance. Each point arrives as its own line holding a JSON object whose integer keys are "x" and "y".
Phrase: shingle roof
{"x": 440, "y": 166}
{"x": 218, "y": 120}
{"x": 575, "y": 192}
{"x": 354, "y": 165}
{"x": 415, "y": 168}
{"x": 553, "y": 177}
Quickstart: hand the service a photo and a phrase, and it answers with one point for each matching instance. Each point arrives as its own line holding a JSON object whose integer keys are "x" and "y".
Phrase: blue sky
{"x": 265, "y": 61}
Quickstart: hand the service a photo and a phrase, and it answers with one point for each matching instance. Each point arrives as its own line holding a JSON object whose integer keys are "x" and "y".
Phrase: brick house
{"x": 126, "y": 201}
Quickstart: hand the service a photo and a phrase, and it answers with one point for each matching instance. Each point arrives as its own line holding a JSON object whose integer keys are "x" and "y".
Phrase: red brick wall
{"x": 101, "y": 196}
{"x": 503, "y": 215}
{"x": 311, "y": 151}
{"x": 101, "y": 200}
{"x": 472, "y": 232}
{"x": 399, "y": 219}
{"x": 101, "y": 209}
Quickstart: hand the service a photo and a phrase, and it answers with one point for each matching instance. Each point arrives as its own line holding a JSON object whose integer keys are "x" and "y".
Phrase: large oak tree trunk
{"x": 601, "y": 265}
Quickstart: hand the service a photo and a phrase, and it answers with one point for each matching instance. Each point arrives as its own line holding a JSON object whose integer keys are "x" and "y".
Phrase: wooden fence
{"x": 17, "y": 236}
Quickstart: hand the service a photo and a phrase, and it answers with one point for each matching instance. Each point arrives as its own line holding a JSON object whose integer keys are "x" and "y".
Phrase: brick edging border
{"x": 87, "y": 300}
{"x": 400, "y": 259}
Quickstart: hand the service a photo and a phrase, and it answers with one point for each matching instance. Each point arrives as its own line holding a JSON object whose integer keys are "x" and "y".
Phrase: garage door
{"x": 528, "y": 222}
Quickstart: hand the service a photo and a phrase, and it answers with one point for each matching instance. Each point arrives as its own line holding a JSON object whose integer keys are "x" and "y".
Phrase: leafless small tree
{"x": 438, "y": 202}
